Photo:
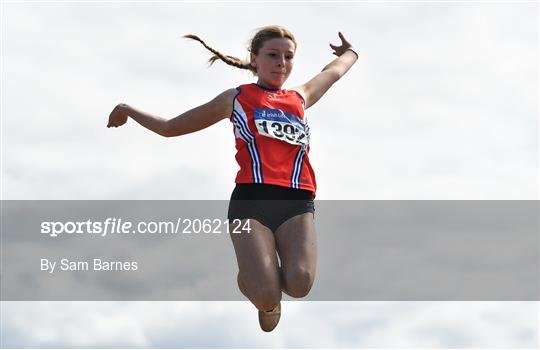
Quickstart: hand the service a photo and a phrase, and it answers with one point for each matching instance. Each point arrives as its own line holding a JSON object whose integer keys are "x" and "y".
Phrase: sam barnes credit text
{"x": 52, "y": 266}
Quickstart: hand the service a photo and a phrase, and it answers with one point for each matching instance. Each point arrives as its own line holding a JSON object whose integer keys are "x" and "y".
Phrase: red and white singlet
{"x": 272, "y": 138}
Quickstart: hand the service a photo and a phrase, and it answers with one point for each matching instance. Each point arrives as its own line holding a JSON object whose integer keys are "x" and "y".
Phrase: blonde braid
{"x": 230, "y": 60}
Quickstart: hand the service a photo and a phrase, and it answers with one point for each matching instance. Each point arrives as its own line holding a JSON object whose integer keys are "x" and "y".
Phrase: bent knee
{"x": 298, "y": 282}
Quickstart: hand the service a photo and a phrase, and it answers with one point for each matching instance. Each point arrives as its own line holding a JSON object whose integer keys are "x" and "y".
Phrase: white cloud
{"x": 303, "y": 324}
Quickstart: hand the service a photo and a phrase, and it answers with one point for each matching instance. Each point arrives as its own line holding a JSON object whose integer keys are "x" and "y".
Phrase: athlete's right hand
{"x": 118, "y": 116}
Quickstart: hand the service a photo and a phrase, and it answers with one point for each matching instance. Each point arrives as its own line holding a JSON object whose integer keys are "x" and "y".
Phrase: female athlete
{"x": 275, "y": 185}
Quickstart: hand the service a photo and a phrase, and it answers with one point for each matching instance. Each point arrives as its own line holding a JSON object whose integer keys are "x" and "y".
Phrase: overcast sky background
{"x": 442, "y": 104}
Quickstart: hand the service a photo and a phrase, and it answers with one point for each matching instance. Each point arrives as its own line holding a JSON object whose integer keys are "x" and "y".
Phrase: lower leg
{"x": 267, "y": 303}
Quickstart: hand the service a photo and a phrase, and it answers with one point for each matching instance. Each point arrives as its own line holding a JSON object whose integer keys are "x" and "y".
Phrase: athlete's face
{"x": 274, "y": 62}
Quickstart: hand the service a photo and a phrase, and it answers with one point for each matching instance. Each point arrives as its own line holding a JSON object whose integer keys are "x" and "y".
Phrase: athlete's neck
{"x": 266, "y": 87}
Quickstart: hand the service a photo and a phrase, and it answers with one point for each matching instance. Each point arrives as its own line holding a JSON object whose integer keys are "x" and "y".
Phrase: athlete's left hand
{"x": 339, "y": 50}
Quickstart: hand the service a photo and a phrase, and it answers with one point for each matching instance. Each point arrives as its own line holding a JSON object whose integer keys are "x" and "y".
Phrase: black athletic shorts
{"x": 271, "y": 205}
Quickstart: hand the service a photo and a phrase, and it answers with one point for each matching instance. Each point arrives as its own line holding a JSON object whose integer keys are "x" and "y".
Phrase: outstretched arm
{"x": 314, "y": 89}
{"x": 193, "y": 120}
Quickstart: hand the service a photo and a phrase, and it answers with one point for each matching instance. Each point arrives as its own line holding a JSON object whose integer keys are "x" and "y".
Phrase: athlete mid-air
{"x": 272, "y": 141}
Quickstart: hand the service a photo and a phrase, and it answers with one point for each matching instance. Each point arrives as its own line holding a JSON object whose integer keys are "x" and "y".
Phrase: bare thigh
{"x": 296, "y": 243}
{"x": 258, "y": 276}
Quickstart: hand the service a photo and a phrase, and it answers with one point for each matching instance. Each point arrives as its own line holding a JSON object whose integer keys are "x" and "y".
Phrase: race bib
{"x": 282, "y": 126}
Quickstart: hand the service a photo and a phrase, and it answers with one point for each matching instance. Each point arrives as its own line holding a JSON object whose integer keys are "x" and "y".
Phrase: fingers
{"x": 334, "y": 48}
{"x": 116, "y": 118}
{"x": 113, "y": 122}
{"x": 343, "y": 40}
{"x": 341, "y": 37}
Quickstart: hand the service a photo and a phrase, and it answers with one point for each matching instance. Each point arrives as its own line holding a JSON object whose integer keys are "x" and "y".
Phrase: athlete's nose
{"x": 281, "y": 61}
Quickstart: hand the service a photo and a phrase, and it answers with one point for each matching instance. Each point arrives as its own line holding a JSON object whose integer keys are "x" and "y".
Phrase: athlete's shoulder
{"x": 227, "y": 96}
{"x": 228, "y": 93}
{"x": 222, "y": 104}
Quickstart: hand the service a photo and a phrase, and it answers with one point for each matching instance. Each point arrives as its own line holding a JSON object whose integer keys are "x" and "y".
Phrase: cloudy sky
{"x": 442, "y": 104}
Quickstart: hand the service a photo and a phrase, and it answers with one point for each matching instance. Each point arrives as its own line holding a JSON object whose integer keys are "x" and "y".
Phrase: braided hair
{"x": 263, "y": 34}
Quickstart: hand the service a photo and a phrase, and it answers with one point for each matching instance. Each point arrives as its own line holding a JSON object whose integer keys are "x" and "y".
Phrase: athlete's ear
{"x": 252, "y": 58}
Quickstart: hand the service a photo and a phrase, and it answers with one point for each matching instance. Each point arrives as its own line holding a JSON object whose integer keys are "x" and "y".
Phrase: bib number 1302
{"x": 282, "y": 131}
